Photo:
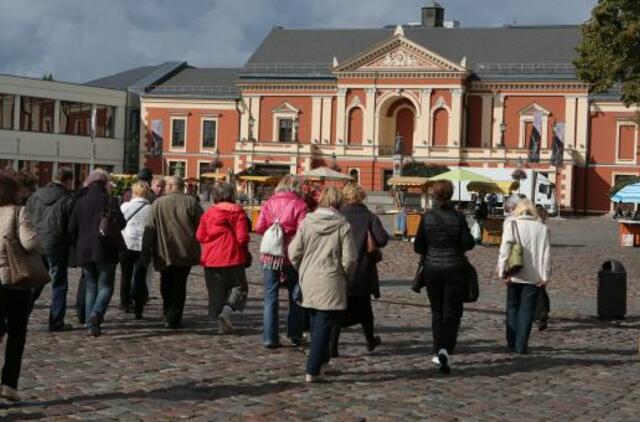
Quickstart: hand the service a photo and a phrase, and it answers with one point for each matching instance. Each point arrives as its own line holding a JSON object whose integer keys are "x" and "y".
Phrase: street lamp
{"x": 252, "y": 121}
{"x": 296, "y": 125}
{"x": 503, "y": 129}
{"x": 334, "y": 162}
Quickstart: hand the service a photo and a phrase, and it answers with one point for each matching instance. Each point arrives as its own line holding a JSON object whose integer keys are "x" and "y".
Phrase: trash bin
{"x": 612, "y": 290}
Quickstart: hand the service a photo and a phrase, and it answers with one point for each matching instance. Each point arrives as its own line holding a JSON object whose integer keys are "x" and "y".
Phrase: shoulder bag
{"x": 516, "y": 254}
{"x": 26, "y": 269}
{"x": 469, "y": 273}
{"x": 109, "y": 230}
{"x": 372, "y": 246}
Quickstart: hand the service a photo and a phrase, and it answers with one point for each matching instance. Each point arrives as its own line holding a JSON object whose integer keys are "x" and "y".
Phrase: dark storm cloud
{"x": 78, "y": 40}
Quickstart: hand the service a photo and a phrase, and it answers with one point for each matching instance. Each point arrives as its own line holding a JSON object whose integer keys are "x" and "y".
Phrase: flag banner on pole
{"x": 93, "y": 122}
{"x": 157, "y": 129}
{"x": 534, "y": 140}
{"x": 557, "y": 148}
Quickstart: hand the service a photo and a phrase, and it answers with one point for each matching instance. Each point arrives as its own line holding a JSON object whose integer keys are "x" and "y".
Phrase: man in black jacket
{"x": 50, "y": 208}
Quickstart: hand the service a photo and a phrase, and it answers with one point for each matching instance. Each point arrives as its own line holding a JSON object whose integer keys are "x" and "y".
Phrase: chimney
{"x": 432, "y": 15}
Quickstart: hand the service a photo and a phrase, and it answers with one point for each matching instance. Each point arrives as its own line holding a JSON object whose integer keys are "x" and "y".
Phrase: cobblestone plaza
{"x": 580, "y": 368}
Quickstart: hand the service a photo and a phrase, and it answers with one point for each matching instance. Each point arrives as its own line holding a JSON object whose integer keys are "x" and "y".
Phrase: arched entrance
{"x": 396, "y": 116}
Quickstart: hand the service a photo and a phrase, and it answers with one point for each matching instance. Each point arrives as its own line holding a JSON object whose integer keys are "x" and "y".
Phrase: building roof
{"x": 546, "y": 51}
{"x": 138, "y": 78}
{"x": 190, "y": 82}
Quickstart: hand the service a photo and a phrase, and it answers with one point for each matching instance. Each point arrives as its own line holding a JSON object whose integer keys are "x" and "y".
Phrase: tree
{"x": 609, "y": 52}
{"x": 420, "y": 169}
{"x": 47, "y": 77}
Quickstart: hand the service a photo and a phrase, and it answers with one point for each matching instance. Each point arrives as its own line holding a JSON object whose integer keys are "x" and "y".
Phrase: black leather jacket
{"x": 443, "y": 238}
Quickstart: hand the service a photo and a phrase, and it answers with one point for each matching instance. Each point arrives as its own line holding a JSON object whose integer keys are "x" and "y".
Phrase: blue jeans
{"x": 295, "y": 319}
{"x": 521, "y": 307}
{"x": 58, "y": 266}
{"x": 99, "y": 279}
{"x": 322, "y": 323}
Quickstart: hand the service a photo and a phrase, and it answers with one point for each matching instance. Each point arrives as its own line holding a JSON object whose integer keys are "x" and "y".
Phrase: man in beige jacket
{"x": 170, "y": 238}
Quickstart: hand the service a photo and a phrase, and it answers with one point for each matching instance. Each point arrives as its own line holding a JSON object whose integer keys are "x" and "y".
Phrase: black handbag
{"x": 418, "y": 279}
{"x": 109, "y": 230}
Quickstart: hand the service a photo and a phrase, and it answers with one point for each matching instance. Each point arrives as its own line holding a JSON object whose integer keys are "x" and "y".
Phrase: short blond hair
{"x": 290, "y": 183}
{"x": 140, "y": 189}
{"x": 525, "y": 207}
{"x": 330, "y": 197}
{"x": 353, "y": 193}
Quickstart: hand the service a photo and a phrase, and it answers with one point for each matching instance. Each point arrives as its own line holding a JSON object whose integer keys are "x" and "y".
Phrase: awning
{"x": 260, "y": 179}
{"x": 408, "y": 181}
{"x": 501, "y": 187}
{"x": 325, "y": 173}
{"x": 213, "y": 175}
{"x": 629, "y": 194}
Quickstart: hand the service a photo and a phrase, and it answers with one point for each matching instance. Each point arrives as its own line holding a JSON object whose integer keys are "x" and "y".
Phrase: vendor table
{"x": 492, "y": 231}
{"x": 629, "y": 232}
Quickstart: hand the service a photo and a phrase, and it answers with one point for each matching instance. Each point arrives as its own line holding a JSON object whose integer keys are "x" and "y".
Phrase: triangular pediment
{"x": 532, "y": 108}
{"x": 286, "y": 108}
{"x": 399, "y": 54}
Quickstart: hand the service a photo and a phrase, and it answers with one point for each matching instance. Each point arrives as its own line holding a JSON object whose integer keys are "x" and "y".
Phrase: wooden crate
{"x": 413, "y": 222}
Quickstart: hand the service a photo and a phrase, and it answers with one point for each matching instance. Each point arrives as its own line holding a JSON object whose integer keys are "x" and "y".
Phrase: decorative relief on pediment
{"x": 440, "y": 103}
{"x": 401, "y": 58}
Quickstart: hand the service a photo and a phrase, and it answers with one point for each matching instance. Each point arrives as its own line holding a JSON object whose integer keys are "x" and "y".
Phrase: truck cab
{"x": 545, "y": 194}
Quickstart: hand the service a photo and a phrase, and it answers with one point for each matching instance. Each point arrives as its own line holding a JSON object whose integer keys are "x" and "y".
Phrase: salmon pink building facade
{"x": 367, "y": 101}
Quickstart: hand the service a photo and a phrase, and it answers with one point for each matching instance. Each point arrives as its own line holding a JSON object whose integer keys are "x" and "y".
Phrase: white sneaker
{"x": 9, "y": 393}
{"x": 312, "y": 378}
{"x": 224, "y": 321}
{"x": 435, "y": 360}
{"x": 445, "y": 361}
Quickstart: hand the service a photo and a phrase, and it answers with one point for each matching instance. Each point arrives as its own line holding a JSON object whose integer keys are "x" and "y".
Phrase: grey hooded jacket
{"x": 325, "y": 255}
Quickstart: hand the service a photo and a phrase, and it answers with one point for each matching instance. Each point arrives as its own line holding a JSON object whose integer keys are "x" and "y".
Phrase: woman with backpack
{"x": 223, "y": 233}
{"x": 279, "y": 220}
{"x": 369, "y": 236}
{"x": 15, "y": 304}
{"x": 95, "y": 228}
{"x": 443, "y": 238}
{"x": 325, "y": 254}
{"x": 133, "y": 272}
{"x": 524, "y": 283}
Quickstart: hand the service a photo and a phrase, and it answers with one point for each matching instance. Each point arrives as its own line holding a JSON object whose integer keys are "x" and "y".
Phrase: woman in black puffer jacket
{"x": 442, "y": 240}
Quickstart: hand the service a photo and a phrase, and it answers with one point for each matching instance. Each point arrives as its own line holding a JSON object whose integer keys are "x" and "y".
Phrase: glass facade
{"x": 105, "y": 116}
{"x": 36, "y": 114}
{"x": 6, "y": 111}
{"x": 75, "y": 118}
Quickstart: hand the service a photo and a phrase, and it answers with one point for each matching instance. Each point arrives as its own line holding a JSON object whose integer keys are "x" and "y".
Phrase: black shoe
{"x": 375, "y": 342}
{"x": 138, "y": 316}
{"x": 334, "y": 354}
{"x": 298, "y": 342}
{"x": 445, "y": 365}
{"x": 272, "y": 345}
{"x": 95, "y": 331}
{"x": 63, "y": 327}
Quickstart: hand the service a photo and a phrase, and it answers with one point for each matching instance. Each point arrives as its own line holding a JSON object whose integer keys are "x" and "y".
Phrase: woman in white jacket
{"x": 522, "y": 287}
{"x": 133, "y": 272}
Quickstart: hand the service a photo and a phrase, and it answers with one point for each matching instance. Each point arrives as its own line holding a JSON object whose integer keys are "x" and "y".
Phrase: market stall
{"x": 407, "y": 221}
{"x": 492, "y": 225}
{"x": 628, "y": 228}
{"x": 258, "y": 188}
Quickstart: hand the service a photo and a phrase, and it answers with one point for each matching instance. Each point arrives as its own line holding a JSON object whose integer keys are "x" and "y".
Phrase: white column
{"x": 340, "y": 114}
{"x": 582, "y": 120}
{"x": 369, "y": 116}
{"x": 16, "y": 113}
{"x": 255, "y": 113}
{"x": 486, "y": 120}
{"x": 455, "y": 126}
{"x": 316, "y": 118}
{"x": 424, "y": 121}
{"x": 570, "y": 122}
{"x": 56, "y": 117}
{"x": 244, "y": 120}
{"x": 326, "y": 119}
{"x": 498, "y": 118}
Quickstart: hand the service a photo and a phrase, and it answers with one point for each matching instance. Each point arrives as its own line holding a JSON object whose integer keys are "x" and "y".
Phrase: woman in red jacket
{"x": 224, "y": 235}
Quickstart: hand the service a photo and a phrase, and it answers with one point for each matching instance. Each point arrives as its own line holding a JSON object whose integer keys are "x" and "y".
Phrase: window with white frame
{"x": 178, "y": 132}
{"x": 209, "y": 133}
{"x": 177, "y": 168}
{"x": 285, "y": 130}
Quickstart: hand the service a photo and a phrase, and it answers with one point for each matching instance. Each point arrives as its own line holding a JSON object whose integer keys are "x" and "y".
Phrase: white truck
{"x": 536, "y": 186}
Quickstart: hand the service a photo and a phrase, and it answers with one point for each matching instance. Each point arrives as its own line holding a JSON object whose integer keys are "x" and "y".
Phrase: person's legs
{"x": 80, "y": 298}
{"x": 18, "y": 306}
{"x": 127, "y": 261}
{"x": 181, "y": 292}
{"x": 217, "y": 289}
{"x": 513, "y": 304}
{"x": 270, "y": 322}
{"x": 322, "y": 326}
{"x": 366, "y": 317}
{"x": 140, "y": 292}
{"x": 90, "y": 274}
{"x": 58, "y": 270}
{"x": 435, "y": 292}
{"x": 237, "y": 298}
{"x": 106, "y": 279}
{"x": 295, "y": 319}
{"x": 166, "y": 292}
{"x": 451, "y": 311}
{"x": 526, "y": 313}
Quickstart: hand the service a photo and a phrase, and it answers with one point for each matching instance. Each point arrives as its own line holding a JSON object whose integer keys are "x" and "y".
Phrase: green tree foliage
{"x": 610, "y": 49}
{"x": 420, "y": 169}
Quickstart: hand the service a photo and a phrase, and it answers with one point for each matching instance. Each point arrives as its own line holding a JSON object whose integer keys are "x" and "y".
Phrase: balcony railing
{"x": 526, "y": 68}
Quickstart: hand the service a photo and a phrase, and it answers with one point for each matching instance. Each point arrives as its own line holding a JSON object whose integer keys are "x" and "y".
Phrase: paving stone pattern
{"x": 580, "y": 368}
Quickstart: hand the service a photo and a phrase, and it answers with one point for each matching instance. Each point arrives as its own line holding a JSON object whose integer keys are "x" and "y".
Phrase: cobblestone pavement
{"x": 580, "y": 368}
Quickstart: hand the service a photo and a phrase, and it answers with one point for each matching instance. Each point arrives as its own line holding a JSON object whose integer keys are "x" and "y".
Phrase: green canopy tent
{"x": 460, "y": 175}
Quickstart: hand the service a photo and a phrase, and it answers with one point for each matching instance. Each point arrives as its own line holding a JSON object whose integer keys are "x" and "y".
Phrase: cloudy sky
{"x": 80, "y": 40}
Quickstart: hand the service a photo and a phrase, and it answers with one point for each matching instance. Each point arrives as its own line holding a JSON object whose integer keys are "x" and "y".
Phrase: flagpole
{"x": 93, "y": 134}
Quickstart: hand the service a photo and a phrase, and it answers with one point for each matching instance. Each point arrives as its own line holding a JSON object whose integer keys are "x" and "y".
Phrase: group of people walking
{"x": 325, "y": 258}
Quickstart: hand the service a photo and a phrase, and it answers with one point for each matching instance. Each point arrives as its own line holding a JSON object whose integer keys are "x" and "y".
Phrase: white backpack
{"x": 272, "y": 245}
